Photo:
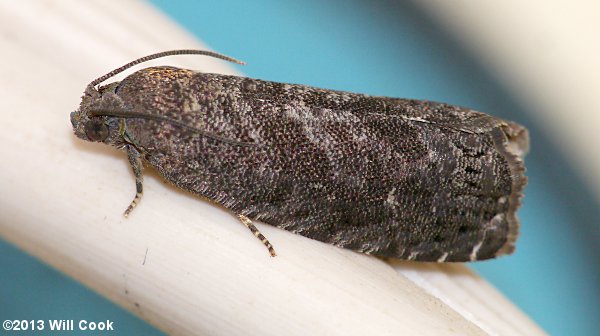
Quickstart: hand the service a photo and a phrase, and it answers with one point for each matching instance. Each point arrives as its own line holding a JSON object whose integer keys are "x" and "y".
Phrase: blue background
{"x": 381, "y": 48}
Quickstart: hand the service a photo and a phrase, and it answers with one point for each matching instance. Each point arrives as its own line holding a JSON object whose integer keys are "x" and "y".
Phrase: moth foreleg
{"x": 135, "y": 159}
{"x": 246, "y": 221}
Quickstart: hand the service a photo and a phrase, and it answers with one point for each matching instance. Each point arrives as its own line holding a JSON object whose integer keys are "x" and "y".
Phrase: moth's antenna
{"x": 163, "y": 54}
{"x": 142, "y": 115}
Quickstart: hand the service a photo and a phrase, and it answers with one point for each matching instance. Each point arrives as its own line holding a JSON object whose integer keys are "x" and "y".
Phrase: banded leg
{"x": 135, "y": 159}
{"x": 246, "y": 221}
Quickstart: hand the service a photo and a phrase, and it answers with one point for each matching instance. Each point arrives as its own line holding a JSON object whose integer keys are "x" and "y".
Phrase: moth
{"x": 398, "y": 178}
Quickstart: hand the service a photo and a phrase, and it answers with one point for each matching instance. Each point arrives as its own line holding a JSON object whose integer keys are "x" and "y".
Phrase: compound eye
{"x": 96, "y": 130}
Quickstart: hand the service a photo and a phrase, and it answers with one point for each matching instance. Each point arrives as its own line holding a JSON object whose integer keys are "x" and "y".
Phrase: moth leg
{"x": 246, "y": 221}
{"x": 135, "y": 159}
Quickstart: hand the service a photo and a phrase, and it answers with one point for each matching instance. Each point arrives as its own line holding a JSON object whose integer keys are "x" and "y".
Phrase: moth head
{"x": 97, "y": 118}
{"x": 90, "y": 125}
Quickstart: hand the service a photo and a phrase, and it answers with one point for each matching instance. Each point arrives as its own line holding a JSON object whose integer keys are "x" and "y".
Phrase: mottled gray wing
{"x": 396, "y": 178}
